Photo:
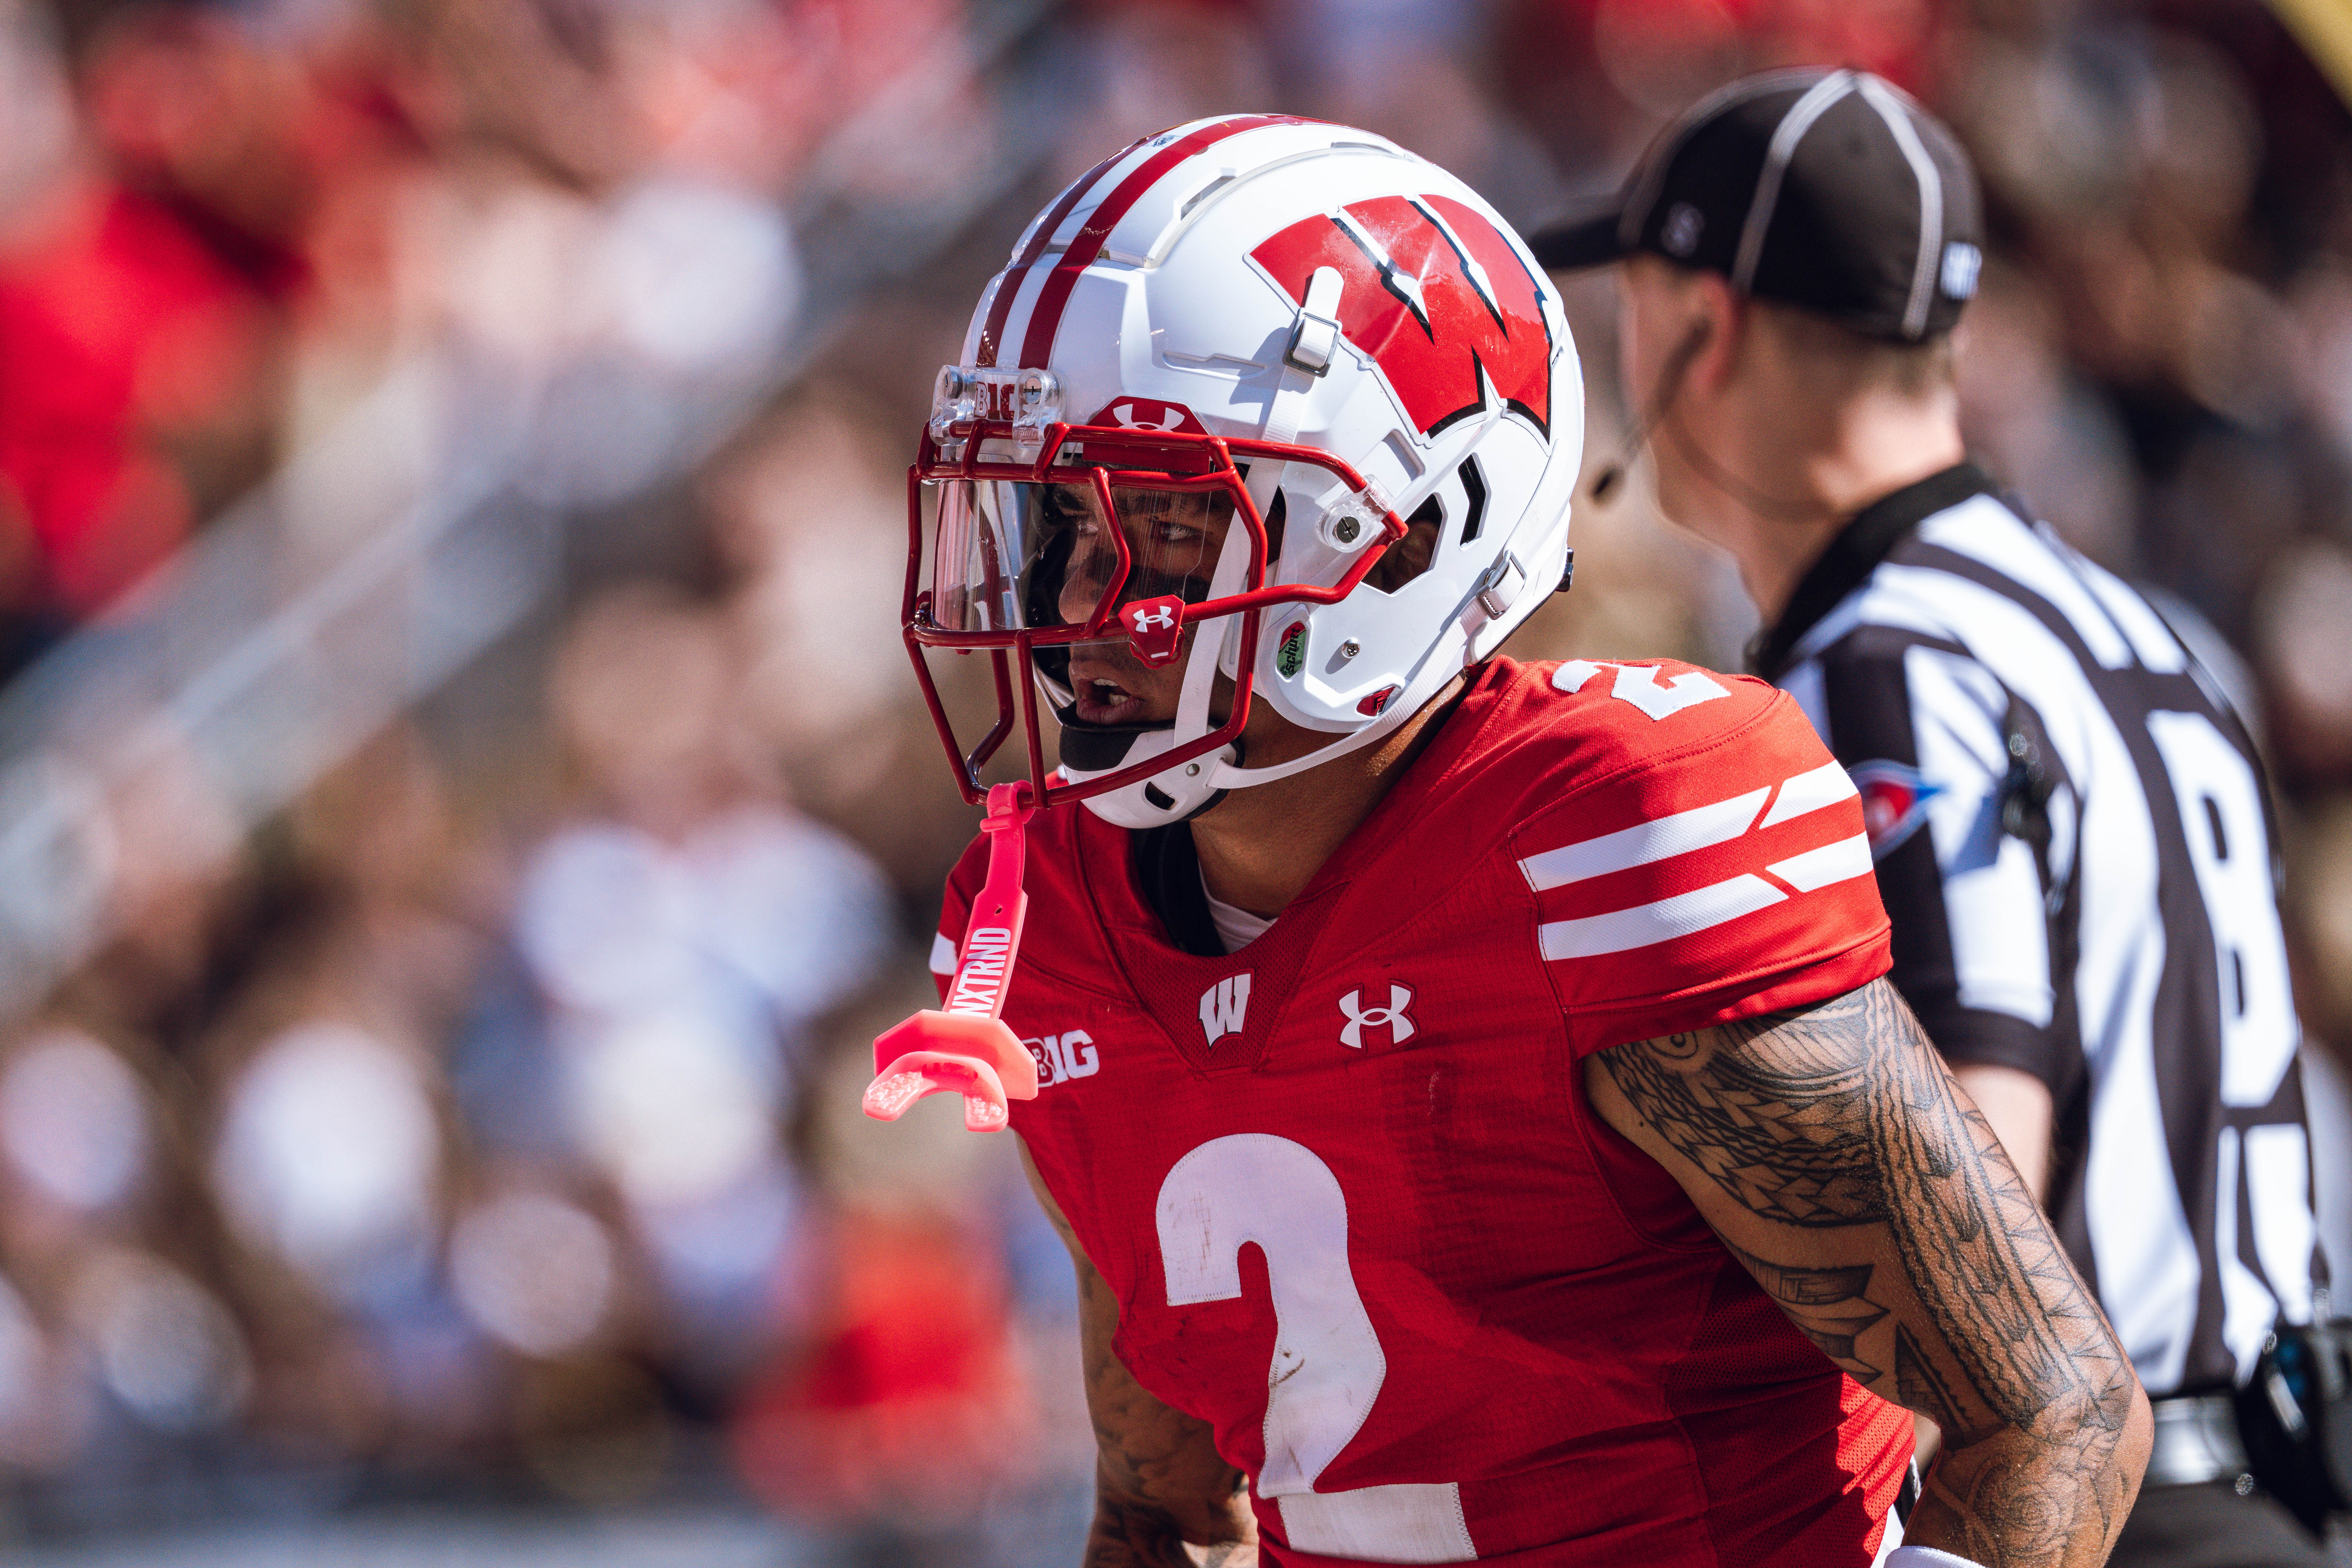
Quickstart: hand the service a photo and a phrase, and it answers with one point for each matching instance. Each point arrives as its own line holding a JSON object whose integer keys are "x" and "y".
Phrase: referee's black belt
{"x": 2196, "y": 1441}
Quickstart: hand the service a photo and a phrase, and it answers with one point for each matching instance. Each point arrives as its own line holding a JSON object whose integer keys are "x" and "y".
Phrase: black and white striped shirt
{"x": 2075, "y": 848}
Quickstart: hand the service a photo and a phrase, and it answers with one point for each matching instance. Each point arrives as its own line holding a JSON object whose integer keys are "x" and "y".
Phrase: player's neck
{"x": 1260, "y": 847}
{"x": 1775, "y": 482}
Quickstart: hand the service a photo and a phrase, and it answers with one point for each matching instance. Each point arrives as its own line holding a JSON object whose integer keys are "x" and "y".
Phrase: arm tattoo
{"x": 1776, "y": 1140}
{"x": 1846, "y": 1118}
{"x": 1157, "y": 1476}
{"x": 1920, "y": 1387}
{"x": 1826, "y": 1304}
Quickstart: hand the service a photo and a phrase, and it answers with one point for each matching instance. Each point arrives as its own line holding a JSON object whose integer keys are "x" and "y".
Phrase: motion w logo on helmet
{"x": 1436, "y": 296}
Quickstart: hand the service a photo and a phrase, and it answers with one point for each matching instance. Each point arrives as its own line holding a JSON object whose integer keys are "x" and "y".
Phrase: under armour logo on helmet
{"x": 1149, "y": 414}
{"x": 1154, "y": 628}
{"x": 1391, "y": 1017}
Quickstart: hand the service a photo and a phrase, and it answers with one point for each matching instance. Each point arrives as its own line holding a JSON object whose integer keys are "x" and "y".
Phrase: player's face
{"x": 1173, "y": 542}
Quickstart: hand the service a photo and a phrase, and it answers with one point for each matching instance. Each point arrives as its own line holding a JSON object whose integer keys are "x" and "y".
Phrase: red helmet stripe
{"x": 1046, "y": 319}
{"x": 992, "y": 332}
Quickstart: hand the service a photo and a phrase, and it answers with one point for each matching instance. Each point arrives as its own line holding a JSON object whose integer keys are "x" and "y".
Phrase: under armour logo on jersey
{"x": 1061, "y": 1058}
{"x": 1391, "y": 1017}
{"x": 1223, "y": 1006}
{"x": 1639, "y": 684}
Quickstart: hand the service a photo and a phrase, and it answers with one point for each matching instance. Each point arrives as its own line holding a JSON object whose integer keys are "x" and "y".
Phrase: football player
{"x": 1466, "y": 1088}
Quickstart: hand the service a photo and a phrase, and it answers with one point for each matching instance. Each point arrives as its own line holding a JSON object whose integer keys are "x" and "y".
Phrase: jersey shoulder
{"x": 1587, "y": 729}
{"x": 1693, "y": 852}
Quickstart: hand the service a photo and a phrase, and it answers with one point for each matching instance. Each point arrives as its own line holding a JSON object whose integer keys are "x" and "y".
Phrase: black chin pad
{"x": 1095, "y": 748}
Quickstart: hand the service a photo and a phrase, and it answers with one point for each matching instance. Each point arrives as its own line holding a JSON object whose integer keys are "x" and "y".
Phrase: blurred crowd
{"x": 479, "y": 1119}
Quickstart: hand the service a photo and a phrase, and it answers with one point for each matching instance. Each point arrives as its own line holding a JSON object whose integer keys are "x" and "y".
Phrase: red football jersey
{"x": 1345, "y": 1181}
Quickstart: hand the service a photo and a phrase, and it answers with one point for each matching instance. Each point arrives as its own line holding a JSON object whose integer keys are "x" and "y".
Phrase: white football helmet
{"x": 1221, "y": 372}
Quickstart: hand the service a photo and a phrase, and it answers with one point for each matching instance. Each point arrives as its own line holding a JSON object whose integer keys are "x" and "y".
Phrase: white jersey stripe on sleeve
{"x": 1645, "y": 925}
{"x": 1823, "y": 787}
{"x": 1831, "y": 864}
{"x": 1698, "y": 828}
{"x": 943, "y": 954}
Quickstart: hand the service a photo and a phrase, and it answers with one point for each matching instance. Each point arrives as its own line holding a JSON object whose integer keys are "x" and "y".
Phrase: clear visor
{"x": 1013, "y": 555}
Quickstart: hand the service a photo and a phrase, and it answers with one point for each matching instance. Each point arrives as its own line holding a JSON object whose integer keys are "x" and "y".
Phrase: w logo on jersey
{"x": 1391, "y": 1017}
{"x": 1436, "y": 296}
{"x": 1223, "y": 1007}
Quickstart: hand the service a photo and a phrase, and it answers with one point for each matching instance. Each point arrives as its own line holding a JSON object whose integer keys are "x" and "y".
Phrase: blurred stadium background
{"x": 463, "y": 805}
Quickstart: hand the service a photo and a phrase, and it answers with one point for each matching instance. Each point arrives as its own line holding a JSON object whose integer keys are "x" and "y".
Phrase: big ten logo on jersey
{"x": 1224, "y": 1008}
{"x": 1063, "y": 1057}
{"x": 1377, "y": 1015}
{"x": 1643, "y": 686}
{"x": 1437, "y": 298}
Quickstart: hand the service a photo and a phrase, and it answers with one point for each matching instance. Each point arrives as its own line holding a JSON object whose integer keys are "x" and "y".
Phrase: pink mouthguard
{"x": 964, "y": 1047}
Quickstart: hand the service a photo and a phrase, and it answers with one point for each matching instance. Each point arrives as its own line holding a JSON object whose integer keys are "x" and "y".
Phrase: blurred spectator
{"x": 142, "y": 305}
{"x": 684, "y": 930}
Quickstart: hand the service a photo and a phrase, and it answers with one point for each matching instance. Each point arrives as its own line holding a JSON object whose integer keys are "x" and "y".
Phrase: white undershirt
{"x": 1236, "y": 928}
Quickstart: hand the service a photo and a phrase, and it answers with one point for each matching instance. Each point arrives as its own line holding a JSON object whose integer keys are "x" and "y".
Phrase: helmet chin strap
{"x": 1226, "y": 775}
{"x": 1200, "y": 670}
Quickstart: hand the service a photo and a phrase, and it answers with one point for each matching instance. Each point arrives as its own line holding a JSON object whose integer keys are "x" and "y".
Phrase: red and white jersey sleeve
{"x": 1705, "y": 860}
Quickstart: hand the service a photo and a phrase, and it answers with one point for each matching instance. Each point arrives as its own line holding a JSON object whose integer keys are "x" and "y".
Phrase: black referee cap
{"x": 1831, "y": 189}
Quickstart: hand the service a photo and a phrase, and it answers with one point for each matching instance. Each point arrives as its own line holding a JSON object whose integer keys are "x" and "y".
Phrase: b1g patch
{"x": 1291, "y": 657}
{"x": 1893, "y": 803}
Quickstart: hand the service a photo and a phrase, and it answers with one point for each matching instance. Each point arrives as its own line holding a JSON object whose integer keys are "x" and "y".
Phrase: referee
{"x": 2071, "y": 829}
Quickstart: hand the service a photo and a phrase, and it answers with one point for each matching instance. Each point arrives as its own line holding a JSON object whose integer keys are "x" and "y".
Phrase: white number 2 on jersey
{"x": 1639, "y": 685}
{"x": 1328, "y": 1363}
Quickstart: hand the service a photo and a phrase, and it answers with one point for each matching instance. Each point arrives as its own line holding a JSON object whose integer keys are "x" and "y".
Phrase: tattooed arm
{"x": 1842, "y": 1165}
{"x": 1163, "y": 1495}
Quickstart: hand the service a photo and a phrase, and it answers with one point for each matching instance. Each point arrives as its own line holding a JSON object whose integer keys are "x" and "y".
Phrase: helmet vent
{"x": 1203, "y": 194}
{"x": 1474, "y": 486}
{"x": 1411, "y": 556}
